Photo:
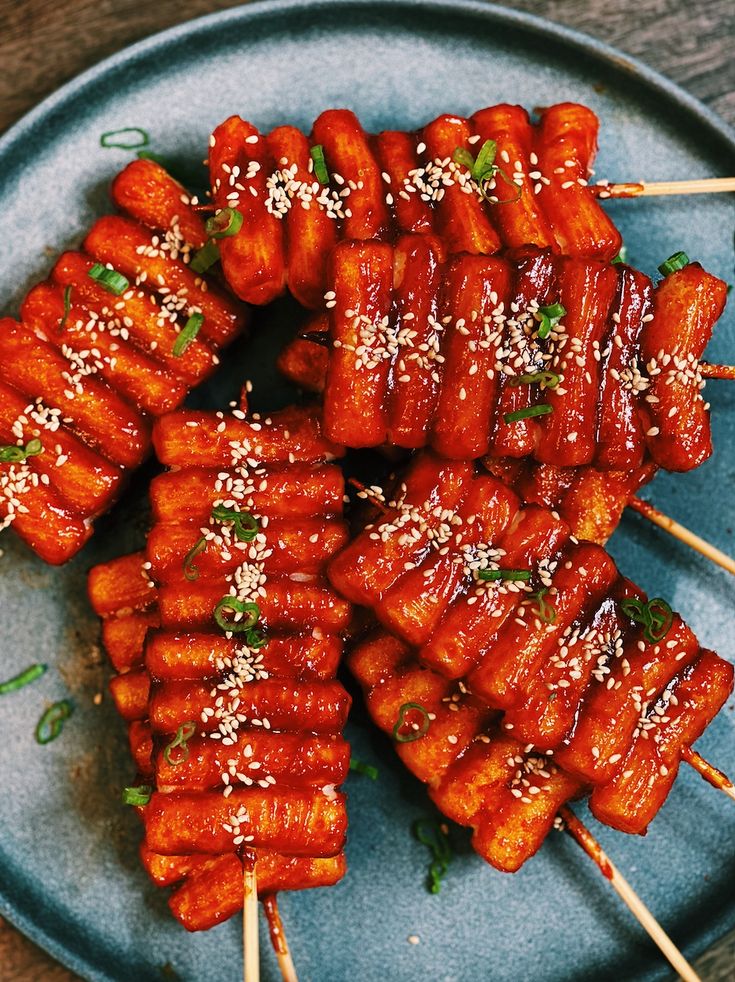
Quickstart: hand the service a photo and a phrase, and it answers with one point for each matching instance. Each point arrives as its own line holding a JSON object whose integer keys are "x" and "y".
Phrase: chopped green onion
{"x": 250, "y": 610}
{"x": 517, "y": 189}
{"x": 246, "y": 525}
{"x": 662, "y": 617}
{"x": 361, "y": 768}
{"x": 179, "y": 743}
{"x": 483, "y": 169}
{"x": 417, "y": 730}
{"x": 108, "y": 279}
{"x": 25, "y": 677}
{"x": 67, "y": 308}
{"x": 15, "y": 455}
{"x": 191, "y": 571}
{"x": 622, "y": 256}
{"x": 139, "y": 795}
{"x": 224, "y": 223}
{"x": 320, "y": 164}
{"x": 433, "y": 835}
{"x": 491, "y": 575}
{"x": 187, "y": 334}
{"x": 255, "y": 639}
{"x": 157, "y": 158}
{"x": 678, "y": 261}
{"x": 545, "y": 611}
{"x": 542, "y": 409}
{"x": 52, "y": 721}
{"x": 485, "y": 163}
{"x": 656, "y": 616}
{"x": 549, "y": 318}
{"x": 464, "y": 158}
{"x": 205, "y": 257}
{"x": 546, "y": 379}
{"x": 107, "y": 139}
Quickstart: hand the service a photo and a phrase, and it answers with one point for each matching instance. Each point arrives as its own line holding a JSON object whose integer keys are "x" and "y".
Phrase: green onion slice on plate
{"x": 22, "y": 679}
{"x": 434, "y": 836}
{"x": 52, "y": 721}
{"x": 360, "y": 767}
{"x": 121, "y": 141}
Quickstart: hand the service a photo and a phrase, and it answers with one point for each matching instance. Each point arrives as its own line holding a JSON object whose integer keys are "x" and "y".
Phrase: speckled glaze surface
{"x": 69, "y": 874}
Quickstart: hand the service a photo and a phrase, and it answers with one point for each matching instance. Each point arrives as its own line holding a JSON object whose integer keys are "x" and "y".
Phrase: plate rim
{"x": 585, "y": 43}
{"x": 13, "y": 910}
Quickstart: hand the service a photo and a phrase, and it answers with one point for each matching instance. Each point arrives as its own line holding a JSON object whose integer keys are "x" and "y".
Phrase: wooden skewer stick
{"x": 278, "y": 939}
{"x": 316, "y": 337}
{"x": 584, "y": 838}
{"x": 640, "y": 189}
{"x": 368, "y": 495}
{"x": 709, "y": 772}
{"x": 250, "y": 942}
{"x": 646, "y": 509}
{"x": 717, "y": 371}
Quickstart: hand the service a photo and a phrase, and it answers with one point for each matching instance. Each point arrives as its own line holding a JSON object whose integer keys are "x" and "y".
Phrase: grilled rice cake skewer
{"x": 481, "y": 775}
{"x": 532, "y": 621}
{"x": 208, "y": 888}
{"x": 97, "y": 354}
{"x": 418, "y": 379}
{"x": 468, "y": 349}
{"x": 277, "y": 720}
{"x": 296, "y": 197}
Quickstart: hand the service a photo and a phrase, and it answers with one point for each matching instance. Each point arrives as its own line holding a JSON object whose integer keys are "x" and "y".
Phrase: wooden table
{"x": 42, "y": 44}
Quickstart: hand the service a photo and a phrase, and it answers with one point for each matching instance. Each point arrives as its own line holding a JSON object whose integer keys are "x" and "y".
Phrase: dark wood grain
{"x": 44, "y": 43}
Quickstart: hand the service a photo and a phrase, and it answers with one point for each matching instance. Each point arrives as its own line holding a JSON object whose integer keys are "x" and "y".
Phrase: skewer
{"x": 250, "y": 943}
{"x": 640, "y": 189}
{"x": 674, "y": 528}
{"x": 717, "y": 371}
{"x": 368, "y": 495}
{"x": 709, "y": 772}
{"x": 278, "y": 939}
{"x": 584, "y": 838}
{"x": 707, "y": 369}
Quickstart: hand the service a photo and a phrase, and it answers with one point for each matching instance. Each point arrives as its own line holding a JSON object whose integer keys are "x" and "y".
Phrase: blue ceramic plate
{"x": 69, "y": 875}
